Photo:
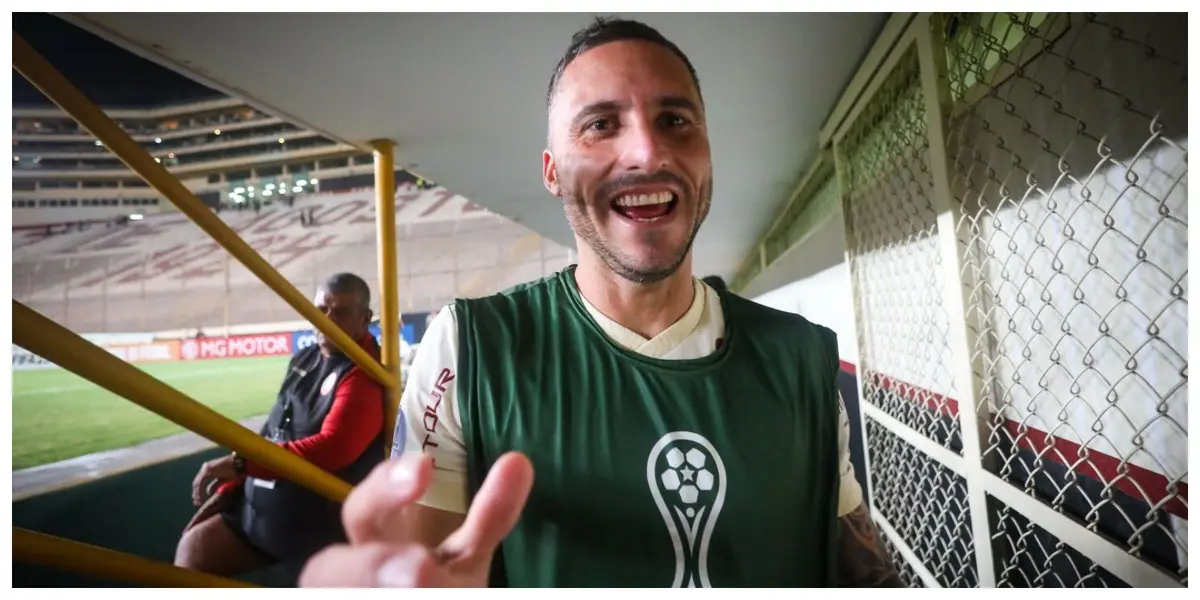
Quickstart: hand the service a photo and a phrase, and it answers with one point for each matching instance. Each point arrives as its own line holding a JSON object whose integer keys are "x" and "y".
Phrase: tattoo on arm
{"x": 863, "y": 560}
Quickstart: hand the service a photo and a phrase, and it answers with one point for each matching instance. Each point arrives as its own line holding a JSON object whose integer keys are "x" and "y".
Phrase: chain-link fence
{"x": 896, "y": 262}
{"x": 197, "y": 285}
{"x": 1015, "y": 204}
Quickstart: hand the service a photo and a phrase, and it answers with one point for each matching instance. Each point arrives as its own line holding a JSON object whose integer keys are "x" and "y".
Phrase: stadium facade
{"x": 97, "y": 249}
{"x": 63, "y": 176}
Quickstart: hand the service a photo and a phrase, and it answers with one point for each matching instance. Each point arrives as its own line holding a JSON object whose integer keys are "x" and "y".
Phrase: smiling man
{"x": 620, "y": 423}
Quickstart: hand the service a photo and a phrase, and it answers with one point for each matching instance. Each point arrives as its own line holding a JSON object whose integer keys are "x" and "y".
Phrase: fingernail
{"x": 399, "y": 570}
{"x": 402, "y": 474}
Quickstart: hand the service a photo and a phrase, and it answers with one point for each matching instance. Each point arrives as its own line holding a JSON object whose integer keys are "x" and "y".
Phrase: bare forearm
{"x": 863, "y": 561}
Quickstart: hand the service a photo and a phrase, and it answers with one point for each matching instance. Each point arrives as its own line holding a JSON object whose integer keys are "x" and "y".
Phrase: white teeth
{"x": 644, "y": 199}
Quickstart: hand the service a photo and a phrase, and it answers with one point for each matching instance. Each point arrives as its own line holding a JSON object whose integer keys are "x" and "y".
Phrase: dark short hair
{"x": 349, "y": 283}
{"x": 716, "y": 282}
{"x": 610, "y": 29}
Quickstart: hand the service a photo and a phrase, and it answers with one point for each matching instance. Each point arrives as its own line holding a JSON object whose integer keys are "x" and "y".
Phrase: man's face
{"x": 629, "y": 157}
{"x": 344, "y": 310}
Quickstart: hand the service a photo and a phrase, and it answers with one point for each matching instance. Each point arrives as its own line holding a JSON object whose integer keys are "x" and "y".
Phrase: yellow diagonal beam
{"x": 42, "y": 74}
{"x": 49, "y": 551}
{"x": 65, "y": 348}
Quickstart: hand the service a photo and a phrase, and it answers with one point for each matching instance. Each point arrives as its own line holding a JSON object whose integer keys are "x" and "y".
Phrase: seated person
{"x": 328, "y": 411}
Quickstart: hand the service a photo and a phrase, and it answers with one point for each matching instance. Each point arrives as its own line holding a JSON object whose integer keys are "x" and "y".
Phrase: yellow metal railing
{"x": 49, "y": 551}
{"x": 389, "y": 303}
{"x": 41, "y": 74}
{"x": 59, "y": 345}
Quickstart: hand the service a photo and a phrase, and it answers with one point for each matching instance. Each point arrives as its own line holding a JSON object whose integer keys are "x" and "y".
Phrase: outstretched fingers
{"x": 381, "y": 497}
{"x": 494, "y": 511}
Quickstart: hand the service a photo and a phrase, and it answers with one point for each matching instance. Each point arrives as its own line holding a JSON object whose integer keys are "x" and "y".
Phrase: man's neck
{"x": 645, "y": 309}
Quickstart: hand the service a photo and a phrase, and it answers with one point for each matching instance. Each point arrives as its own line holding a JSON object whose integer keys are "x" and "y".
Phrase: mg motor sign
{"x": 239, "y": 346}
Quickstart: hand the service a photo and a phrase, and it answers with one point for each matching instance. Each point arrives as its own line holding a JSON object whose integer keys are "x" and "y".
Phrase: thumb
{"x": 494, "y": 511}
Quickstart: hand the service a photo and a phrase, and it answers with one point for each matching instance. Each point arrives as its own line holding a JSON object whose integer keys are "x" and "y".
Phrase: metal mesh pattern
{"x": 927, "y": 505}
{"x": 895, "y": 262}
{"x": 1030, "y": 557}
{"x": 907, "y": 575}
{"x": 1069, "y": 152}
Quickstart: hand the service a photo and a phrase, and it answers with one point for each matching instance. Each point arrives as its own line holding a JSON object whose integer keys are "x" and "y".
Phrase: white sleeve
{"x": 429, "y": 421}
{"x": 849, "y": 492}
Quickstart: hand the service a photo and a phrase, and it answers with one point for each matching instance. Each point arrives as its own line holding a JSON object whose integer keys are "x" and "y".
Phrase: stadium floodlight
{"x": 282, "y": 140}
{"x": 16, "y": 159}
{"x": 301, "y": 183}
{"x": 250, "y": 187}
{"x": 157, "y": 159}
{"x": 157, "y": 140}
{"x": 99, "y": 143}
{"x": 216, "y": 132}
{"x": 313, "y": 181}
{"x": 239, "y": 190}
{"x": 270, "y": 186}
{"x": 135, "y": 217}
{"x": 267, "y": 192}
{"x": 297, "y": 189}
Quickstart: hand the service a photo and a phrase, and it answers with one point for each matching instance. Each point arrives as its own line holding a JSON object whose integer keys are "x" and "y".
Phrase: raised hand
{"x": 383, "y": 552}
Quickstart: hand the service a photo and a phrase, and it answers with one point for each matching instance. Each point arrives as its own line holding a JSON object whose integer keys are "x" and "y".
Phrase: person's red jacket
{"x": 354, "y": 419}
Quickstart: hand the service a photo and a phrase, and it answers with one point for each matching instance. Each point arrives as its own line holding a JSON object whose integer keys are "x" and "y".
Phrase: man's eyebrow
{"x": 678, "y": 102}
{"x": 595, "y": 108}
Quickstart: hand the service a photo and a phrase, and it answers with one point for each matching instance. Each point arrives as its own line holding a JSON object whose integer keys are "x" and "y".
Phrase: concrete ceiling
{"x": 462, "y": 95}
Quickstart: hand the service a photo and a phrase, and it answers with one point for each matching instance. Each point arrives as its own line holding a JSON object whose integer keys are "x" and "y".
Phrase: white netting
{"x": 926, "y": 503}
{"x": 1069, "y": 154}
{"x": 1066, "y": 137}
{"x": 895, "y": 262}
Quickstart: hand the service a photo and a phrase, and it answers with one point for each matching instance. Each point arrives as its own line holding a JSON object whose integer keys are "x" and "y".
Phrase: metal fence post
{"x": 931, "y": 59}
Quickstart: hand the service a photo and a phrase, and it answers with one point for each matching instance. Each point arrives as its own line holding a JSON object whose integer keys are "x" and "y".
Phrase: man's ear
{"x": 550, "y": 173}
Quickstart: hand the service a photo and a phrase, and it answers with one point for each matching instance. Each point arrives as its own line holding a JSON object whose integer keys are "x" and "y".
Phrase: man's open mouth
{"x": 645, "y": 207}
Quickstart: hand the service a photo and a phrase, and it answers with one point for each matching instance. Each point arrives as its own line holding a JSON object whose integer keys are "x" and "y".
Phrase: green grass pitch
{"x": 58, "y": 415}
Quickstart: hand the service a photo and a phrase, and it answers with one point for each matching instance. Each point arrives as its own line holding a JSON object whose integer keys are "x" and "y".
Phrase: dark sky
{"x": 108, "y": 75}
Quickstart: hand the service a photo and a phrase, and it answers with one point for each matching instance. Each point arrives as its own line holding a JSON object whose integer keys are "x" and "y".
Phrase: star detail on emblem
{"x": 687, "y": 473}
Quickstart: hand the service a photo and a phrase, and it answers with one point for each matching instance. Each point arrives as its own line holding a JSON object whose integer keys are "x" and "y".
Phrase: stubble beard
{"x": 575, "y": 207}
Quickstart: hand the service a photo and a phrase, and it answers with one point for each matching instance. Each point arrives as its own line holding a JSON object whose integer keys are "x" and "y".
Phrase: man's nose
{"x": 642, "y": 147}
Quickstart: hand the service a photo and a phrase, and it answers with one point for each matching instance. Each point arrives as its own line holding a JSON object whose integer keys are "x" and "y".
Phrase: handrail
{"x": 389, "y": 303}
{"x": 67, "y": 349}
{"x": 55, "y": 552}
{"x": 43, "y": 75}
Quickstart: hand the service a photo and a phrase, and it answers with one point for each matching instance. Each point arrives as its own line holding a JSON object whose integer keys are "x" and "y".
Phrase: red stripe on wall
{"x": 936, "y": 402}
{"x": 1136, "y": 481}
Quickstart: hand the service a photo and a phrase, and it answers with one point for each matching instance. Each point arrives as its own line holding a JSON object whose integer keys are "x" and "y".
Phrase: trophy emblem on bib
{"x": 687, "y": 480}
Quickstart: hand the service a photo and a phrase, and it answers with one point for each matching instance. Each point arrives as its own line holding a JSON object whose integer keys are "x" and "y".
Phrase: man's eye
{"x": 674, "y": 121}
{"x": 600, "y": 125}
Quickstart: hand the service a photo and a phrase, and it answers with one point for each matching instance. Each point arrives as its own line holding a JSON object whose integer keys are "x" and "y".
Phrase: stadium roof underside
{"x": 463, "y": 95}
